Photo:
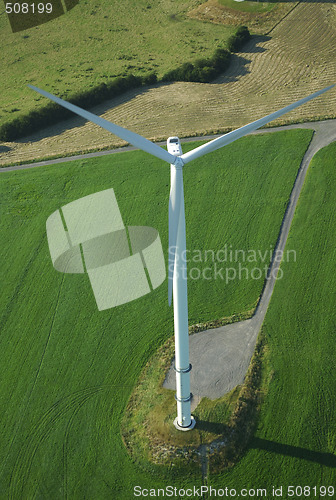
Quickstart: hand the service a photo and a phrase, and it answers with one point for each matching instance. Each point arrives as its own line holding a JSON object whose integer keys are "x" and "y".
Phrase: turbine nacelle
{"x": 177, "y": 237}
{"x": 174, "y": 148}
{"x": 174, "y": 154}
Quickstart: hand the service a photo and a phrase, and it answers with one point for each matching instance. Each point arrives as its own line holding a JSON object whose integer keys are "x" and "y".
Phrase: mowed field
{"x": 297, "y": 58}
{"x": 295, "y": 443}
{"x": 67, "y": 370}
{"x": 108, "y": 39}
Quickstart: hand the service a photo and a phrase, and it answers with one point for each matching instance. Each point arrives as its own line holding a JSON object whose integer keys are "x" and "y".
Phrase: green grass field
{"x": 295, "y": 443}
{"x": 108, "y": 39}
{"x": 67, "y": 370}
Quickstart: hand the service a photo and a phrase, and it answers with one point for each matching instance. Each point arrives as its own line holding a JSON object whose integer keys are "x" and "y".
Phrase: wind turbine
{"x": 177, "y": 278}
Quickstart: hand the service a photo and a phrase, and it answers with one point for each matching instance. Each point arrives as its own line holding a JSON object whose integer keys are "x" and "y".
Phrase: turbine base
{"x": 189, "y": 428}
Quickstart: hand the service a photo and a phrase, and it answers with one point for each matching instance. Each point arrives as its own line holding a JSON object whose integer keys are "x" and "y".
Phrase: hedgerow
{"x": 52, "y": 113}
{"x": 202, "y": 70}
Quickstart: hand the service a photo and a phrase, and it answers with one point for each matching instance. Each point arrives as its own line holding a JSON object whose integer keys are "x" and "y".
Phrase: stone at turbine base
{"x": 189, "y": 428}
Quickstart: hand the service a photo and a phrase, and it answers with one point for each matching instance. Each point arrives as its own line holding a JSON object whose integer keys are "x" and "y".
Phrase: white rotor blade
{"x": 174, "y": 215}
{"x": 240, "y": 132}
{"x": 131, "y": 137}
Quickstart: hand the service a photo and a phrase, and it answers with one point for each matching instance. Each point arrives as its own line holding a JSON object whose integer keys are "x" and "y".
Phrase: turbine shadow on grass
{"x": 322, "y": 458}
{"x": 327, "y": 459}
{"x": 214, "y": 427}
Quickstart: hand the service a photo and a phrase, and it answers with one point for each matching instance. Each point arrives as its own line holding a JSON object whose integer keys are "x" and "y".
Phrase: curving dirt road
{"x": 220, "y": 357}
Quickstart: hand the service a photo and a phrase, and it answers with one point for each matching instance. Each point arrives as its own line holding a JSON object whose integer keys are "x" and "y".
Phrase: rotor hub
{"x": 179, "y": 163}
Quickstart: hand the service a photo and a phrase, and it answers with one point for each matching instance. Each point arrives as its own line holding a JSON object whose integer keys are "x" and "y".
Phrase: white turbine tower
{"x": 177, "y": 276}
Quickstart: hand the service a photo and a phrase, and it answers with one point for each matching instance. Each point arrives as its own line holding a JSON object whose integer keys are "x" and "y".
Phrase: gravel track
{"x": 220, "y": 357}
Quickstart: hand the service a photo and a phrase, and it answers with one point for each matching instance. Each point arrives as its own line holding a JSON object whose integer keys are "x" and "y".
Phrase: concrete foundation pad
{"x": 189, "y": 428}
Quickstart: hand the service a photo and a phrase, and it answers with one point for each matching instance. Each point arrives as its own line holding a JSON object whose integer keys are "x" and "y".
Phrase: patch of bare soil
{"x": 257, "y": 22}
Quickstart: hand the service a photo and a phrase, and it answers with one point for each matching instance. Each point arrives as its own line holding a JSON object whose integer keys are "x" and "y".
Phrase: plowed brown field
{"x": 298, "y": 58}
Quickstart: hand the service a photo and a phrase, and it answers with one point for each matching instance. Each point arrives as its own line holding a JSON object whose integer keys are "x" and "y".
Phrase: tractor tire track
{"x": 13, "y": 299}
{"x": 65, "y": 446}
{"x": 45, "y": 346}
{"x": 40, "y": 433}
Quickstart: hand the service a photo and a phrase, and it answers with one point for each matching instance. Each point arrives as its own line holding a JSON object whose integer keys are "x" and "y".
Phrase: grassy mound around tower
{"x": 224, "y": 424}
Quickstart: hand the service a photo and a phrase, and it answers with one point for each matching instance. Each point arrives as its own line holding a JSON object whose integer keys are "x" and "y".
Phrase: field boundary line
{"x": 284, "y": 17}
{"x": 124, "y": 149}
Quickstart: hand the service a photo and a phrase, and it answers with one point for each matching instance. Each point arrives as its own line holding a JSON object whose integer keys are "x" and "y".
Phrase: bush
{"x": 203, "y": 70}
{"x": 149, "y": 79}
{"x": 238, "y": 40}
